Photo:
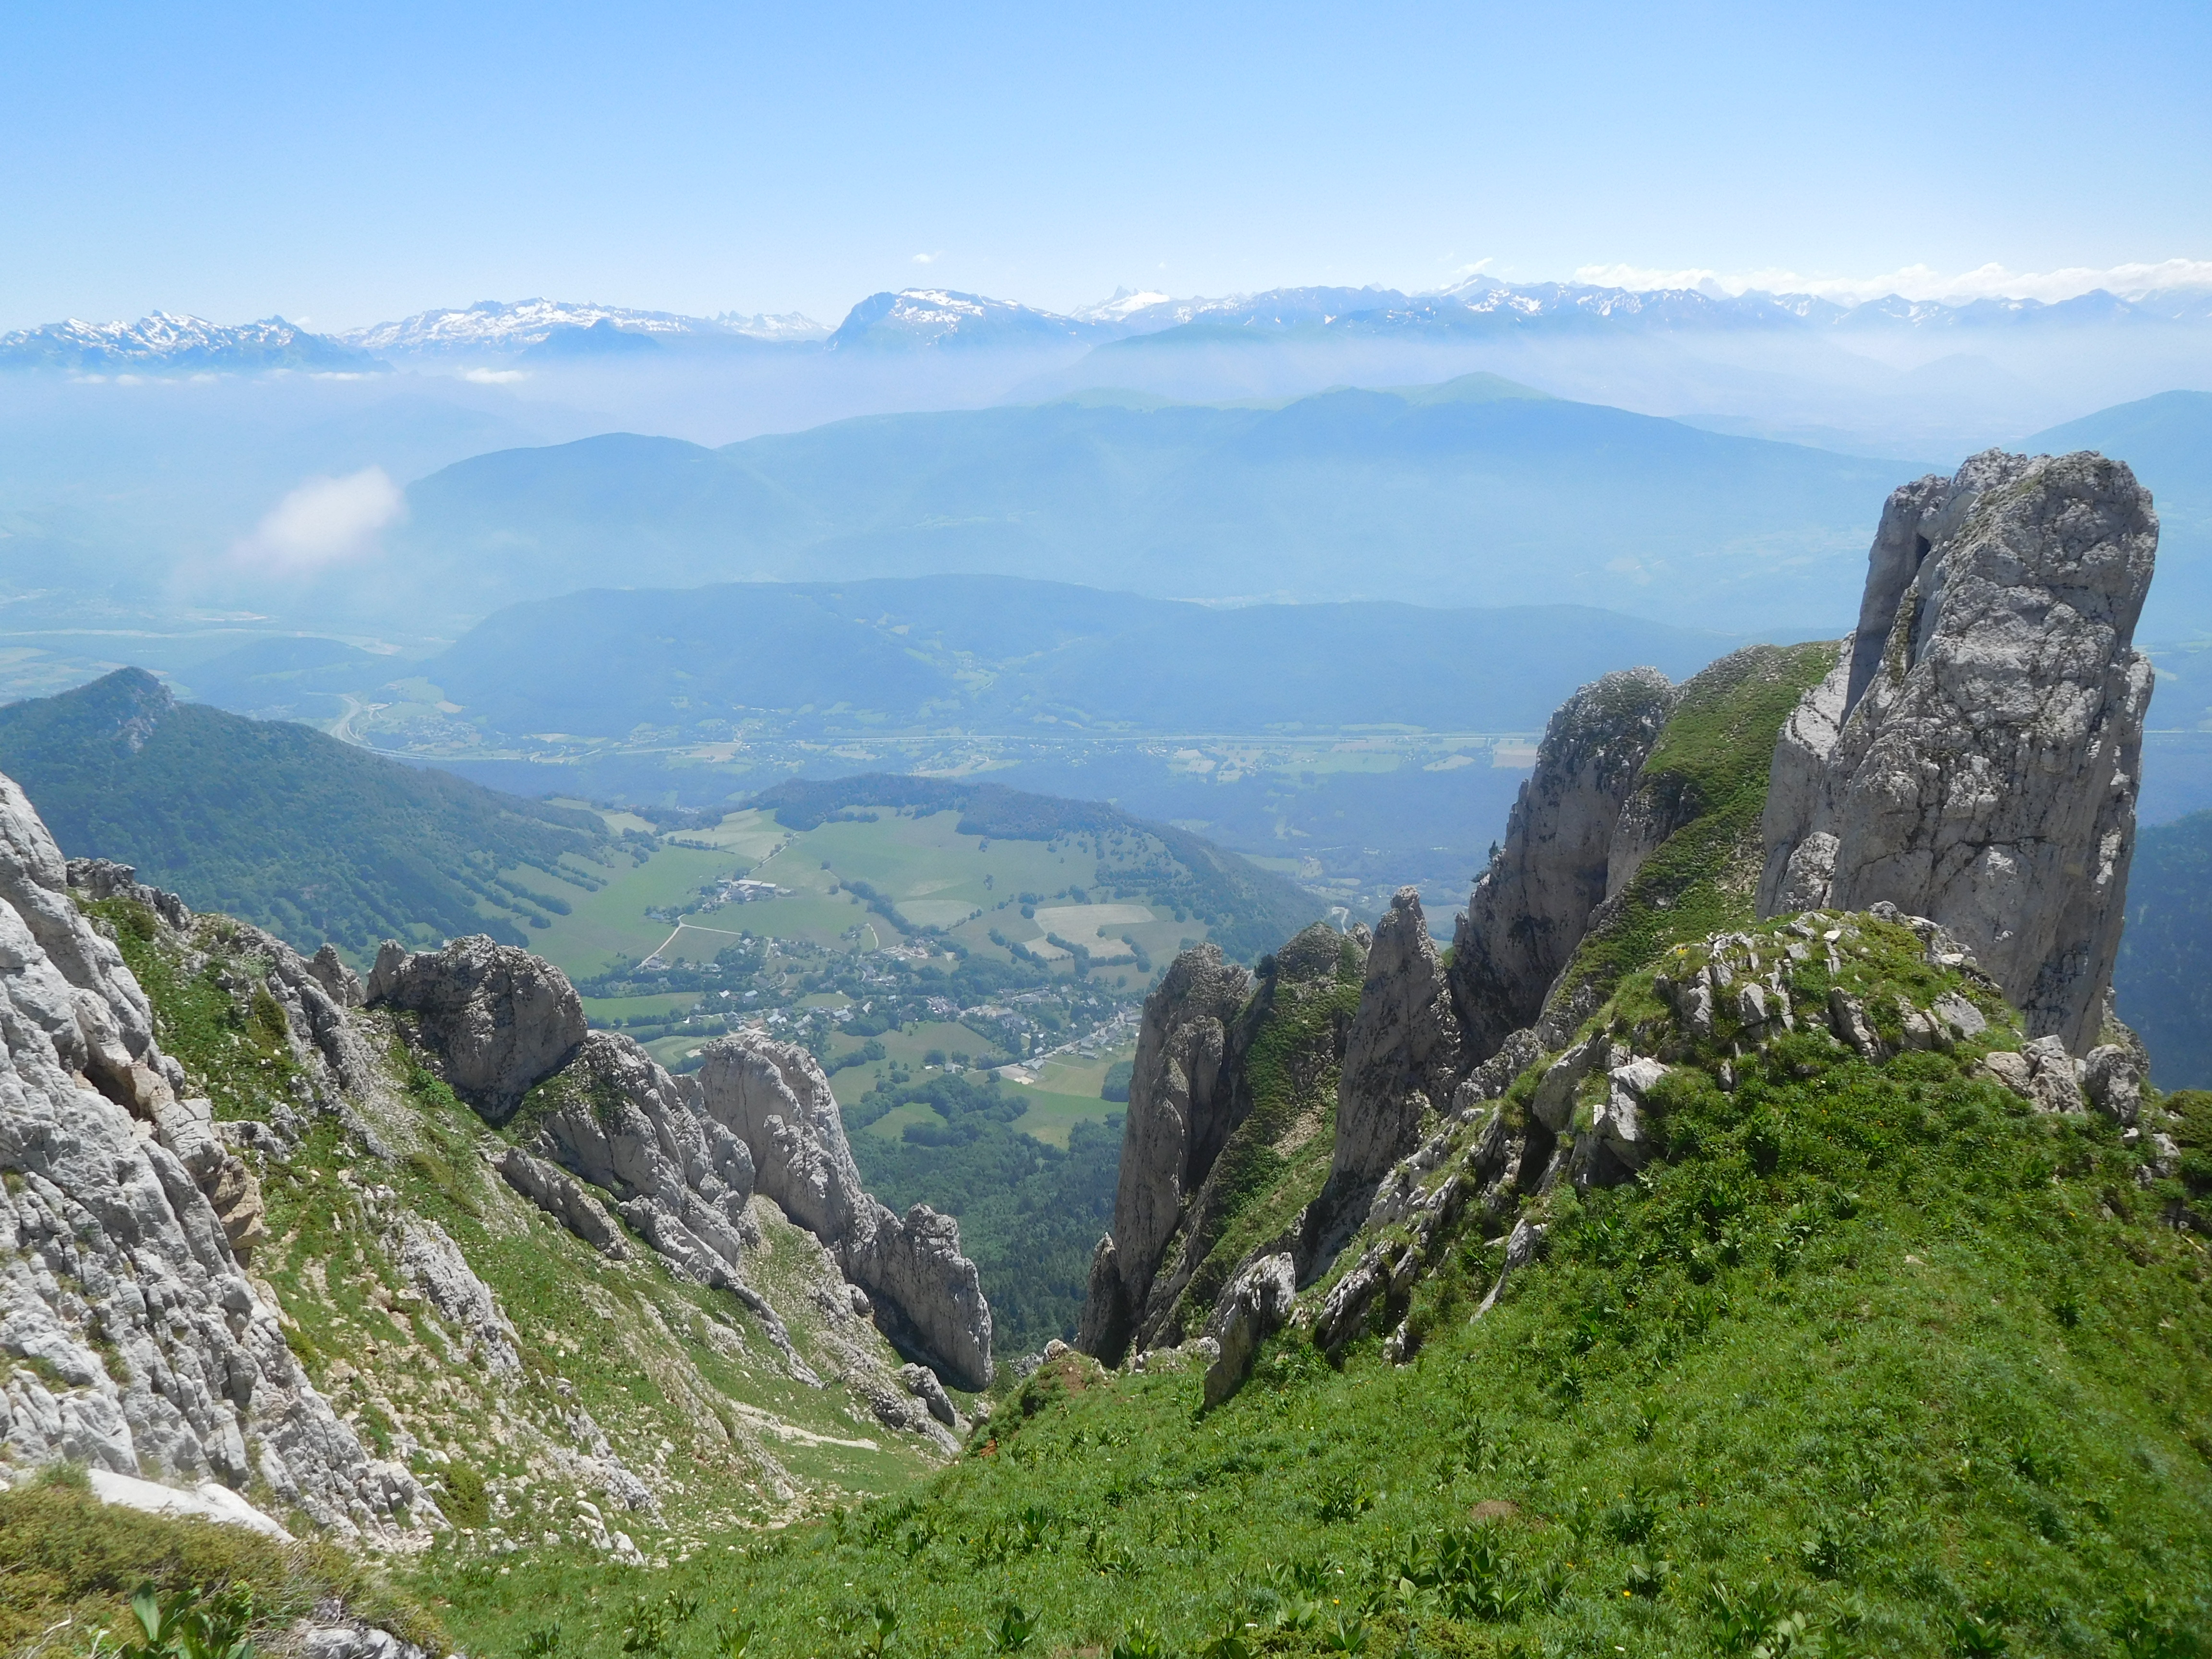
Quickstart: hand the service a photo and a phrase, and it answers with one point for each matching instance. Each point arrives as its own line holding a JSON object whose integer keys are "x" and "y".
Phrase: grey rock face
{"x": 1984, "y": 774}
{"x": 339, "y": 982}
{"x": 108, "y": 1233}
{"x": 1401, "y": 1058}
{"x": 1253, "y": 1306}
{"x": 495, "y": 1018}
{"x": 1179, "y": 1115}
{"x": 1616, "y": 1144}
{"x": 927, "y": 1297}
{"x": 466, "y": 1304}
{"x": 1530, "y": 908}
{"x": 615, "y": 1118}
{"x": 563, "y": 1197}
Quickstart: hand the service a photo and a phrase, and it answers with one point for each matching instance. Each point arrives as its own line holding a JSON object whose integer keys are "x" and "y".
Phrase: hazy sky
{"x": 345, "y": 165}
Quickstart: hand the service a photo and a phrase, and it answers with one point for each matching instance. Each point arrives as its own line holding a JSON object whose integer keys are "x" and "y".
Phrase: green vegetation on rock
{"x": 1873, "y": 1359}
{"x": 1705, "y": 784}
{"x": 69, "y": 1560}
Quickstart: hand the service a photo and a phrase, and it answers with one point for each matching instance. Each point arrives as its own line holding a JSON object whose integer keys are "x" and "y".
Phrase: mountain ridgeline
{"x": 1756, "y": 1235}
{"x": 1475, "y": 491}
{"x": 999, "y": 654}
{"x": 277, "y": 824}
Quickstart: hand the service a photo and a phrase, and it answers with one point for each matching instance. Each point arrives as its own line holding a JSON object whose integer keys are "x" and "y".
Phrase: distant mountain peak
{"x": 505, "y": 327}
{"x": 946, "y": 316}
{"x": 165, "y": 342}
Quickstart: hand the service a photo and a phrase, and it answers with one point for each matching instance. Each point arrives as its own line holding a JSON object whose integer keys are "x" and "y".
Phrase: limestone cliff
{"x": 1962, "y": 769}
{"x": 1974, "y": 758}
{"x": 1531, "y": 908}
{"x": 138, "y": 1343}
{"x": 1179, "y": 1116}
{"x": 252, "y": 1235}
{"x": 1402, "y": 1057}
{"x": 683, "y": 1159}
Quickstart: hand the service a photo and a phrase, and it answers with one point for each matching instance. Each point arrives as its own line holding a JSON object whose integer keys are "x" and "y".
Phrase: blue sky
{"x": 348, "y": 164}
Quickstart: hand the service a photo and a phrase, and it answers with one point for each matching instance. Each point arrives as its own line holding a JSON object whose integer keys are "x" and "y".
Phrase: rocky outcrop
{"x": 1981, "y": 767}
{"x": 143, "y": 1348}
{"x": 1531, "y": 908}
{"x": 561, "y": 1196}
{"x": 471, "y": 1313}
{"x": 339, "y": 982}
{"x": 1181, "y": 1113}
{"x": 1277, "y": 1120}
{"x": 492, "y": 1019}
{"x": 1402, "y": 1060}
{"x": 614, "y": 1117}
{"x": 926, "y": 1296}
{"x": 1253, "y": 1307}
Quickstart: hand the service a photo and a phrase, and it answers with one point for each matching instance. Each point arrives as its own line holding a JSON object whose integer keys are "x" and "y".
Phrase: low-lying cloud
{"x": 325, "y": 521}
{"x": 1989, "y": 282}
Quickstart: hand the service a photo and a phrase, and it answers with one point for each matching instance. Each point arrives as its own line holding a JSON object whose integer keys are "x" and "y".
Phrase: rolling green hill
{"x": 276, "y": 822}
{"x": 1246, "y": 909}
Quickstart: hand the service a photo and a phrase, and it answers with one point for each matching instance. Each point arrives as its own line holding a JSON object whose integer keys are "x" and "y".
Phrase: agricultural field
{"x": 967, "y": 994}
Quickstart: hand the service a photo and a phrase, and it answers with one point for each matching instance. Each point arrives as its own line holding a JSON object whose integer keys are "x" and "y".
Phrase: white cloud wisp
{"x": 322, "y": 522}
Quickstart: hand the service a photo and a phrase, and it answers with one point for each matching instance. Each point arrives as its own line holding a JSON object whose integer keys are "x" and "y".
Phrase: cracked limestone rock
{"x": 154, "y": 1355}
{"x": 926, "y": 1296}
{"x": 1529, "y": 909}
{"x": 1401, "y": 1059}
{"x": 495, "y": 1018}
{"x": 1980, "y": 766}
{"x": 1179, "y": 1115}
{"x": 1253, "y": 1306}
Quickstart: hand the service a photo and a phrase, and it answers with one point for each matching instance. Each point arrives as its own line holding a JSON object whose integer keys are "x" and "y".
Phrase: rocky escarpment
{"x": 1531, "y": 907}
{"x": 1180, "y": 1108}
{"x": 682, "y": 1158}
{"x": 1240, "y": 1099}
{"x": 1974, "y": 755}
{"x": 926, "y": 1296}
{"x": 1401, "y": 1059}
{"x": 1971, "y": 780}
{"x": 492, "y": 1019}
{"x": 136, "y": 1339}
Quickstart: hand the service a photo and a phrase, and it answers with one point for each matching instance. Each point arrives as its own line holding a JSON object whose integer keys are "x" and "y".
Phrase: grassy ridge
{"x": 1874, "y": 1354}
{"x": 1708, "y": 774}
{"x": 277, "y": 824}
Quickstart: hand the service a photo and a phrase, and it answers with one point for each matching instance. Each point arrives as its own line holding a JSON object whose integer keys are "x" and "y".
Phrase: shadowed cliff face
{"x": 1529, "y": 909}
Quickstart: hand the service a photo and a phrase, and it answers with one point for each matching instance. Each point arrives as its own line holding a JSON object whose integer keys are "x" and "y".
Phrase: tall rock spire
{"x": 1974, "y": 756}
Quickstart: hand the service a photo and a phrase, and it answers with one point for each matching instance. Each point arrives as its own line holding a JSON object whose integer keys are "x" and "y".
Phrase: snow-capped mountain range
{"x": 165, "y": 344}
{"x": 503, "y": 326}
{"x": 940, "y": 318}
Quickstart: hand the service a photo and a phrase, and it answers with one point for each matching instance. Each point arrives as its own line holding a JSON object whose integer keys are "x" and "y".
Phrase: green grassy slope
{"x": 658, "y": 1361}
{"x": 278, "y": 823}
{"x": 1246, "y": 909}
{"x": 1707, "y": 776}
{"x": 1874, "y": 1360}
{"x": 2164, "y": 974}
